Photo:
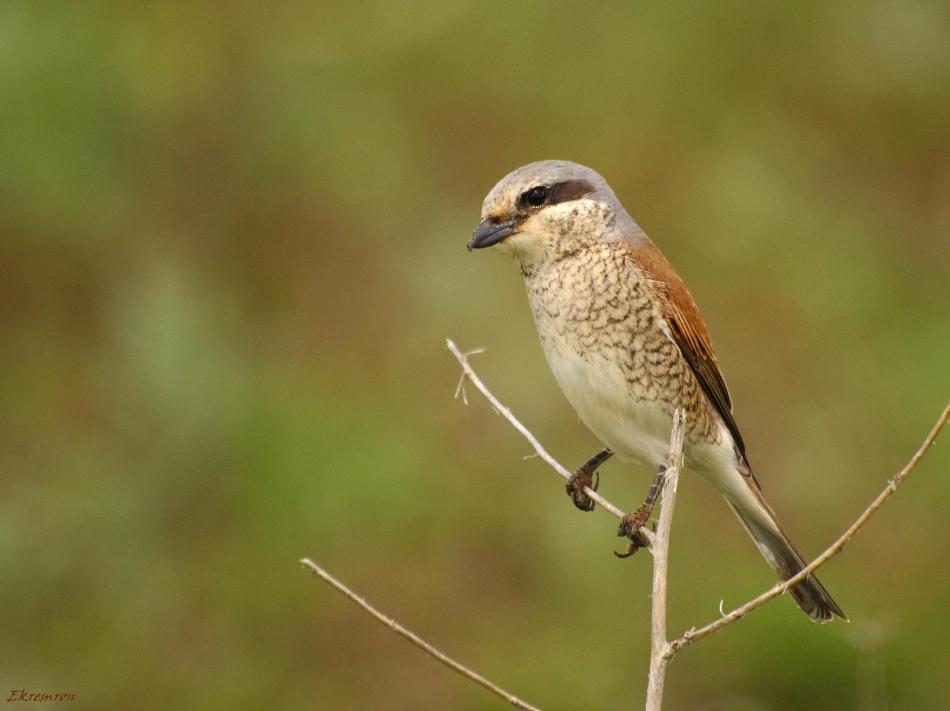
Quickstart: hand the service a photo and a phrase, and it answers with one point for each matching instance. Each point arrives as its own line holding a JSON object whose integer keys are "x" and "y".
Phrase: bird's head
{"x": 550, "y": 208}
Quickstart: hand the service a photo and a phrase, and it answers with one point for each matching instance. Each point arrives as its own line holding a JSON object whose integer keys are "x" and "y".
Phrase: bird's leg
{"x": 632, "y": 522}
{"x": 584, "y": 476}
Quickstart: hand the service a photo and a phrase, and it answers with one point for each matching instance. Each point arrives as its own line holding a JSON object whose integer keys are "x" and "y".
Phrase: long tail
{"x": 759, "y": 520}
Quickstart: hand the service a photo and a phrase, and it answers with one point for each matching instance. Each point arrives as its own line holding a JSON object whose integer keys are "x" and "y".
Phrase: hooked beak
{"x": 491, "y": 231}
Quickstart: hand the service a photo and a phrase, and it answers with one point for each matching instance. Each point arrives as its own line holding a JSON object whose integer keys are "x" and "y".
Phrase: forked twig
{"x": 690, "y": 636}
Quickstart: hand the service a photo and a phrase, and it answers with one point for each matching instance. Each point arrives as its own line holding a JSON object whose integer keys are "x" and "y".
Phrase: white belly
{"x": 637, "y": 430}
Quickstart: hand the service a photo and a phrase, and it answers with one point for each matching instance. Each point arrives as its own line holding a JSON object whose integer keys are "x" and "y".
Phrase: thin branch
{"x": 659, "y": 659}
{"x": 468, "y": 373}
{"x": 416, "y": 640}
{"x": 692, "y": 635}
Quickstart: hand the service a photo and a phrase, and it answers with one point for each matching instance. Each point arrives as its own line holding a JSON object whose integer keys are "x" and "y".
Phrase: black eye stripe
{"x": 569, "y": 190}
{"x": 564, "y": 191}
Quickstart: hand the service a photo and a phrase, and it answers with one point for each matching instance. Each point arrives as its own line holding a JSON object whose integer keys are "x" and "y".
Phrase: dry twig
{"x": 416, "y": 639}
{"x": 661, "y": 553}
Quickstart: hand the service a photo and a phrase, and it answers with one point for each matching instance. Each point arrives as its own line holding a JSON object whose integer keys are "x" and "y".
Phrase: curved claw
{"x": 631, "y": 549}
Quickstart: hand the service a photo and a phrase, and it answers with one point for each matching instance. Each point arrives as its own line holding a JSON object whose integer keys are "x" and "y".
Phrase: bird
{"x": 628, "y": 347}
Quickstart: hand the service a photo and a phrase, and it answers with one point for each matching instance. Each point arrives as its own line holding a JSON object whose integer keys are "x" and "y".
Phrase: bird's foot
{"x": 575, "y": 488}
{"x": 584, "y": 477}
{"x": 631, "y": 526}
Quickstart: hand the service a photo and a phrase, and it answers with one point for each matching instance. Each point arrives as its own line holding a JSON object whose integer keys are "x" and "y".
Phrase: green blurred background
{"x": 233, "y": 245}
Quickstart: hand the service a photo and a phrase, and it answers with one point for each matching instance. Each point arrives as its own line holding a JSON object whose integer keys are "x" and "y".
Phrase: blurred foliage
{"x": 233, "y": 243}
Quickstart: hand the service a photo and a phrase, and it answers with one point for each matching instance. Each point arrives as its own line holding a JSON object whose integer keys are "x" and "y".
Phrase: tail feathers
{"x": 810, "y": 595}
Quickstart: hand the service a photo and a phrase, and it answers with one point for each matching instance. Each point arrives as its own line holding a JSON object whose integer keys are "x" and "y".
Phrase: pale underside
{"x": 638, "y": 431}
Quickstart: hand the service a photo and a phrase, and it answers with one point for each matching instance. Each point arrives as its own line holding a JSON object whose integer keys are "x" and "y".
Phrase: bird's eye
{"x": 535, "y": 197}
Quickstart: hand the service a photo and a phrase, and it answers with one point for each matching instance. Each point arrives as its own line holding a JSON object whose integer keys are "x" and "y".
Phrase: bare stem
{"x": 659, "y": 657}
{"x": 694, "y": 634}
{"x": 416, "y": 639}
